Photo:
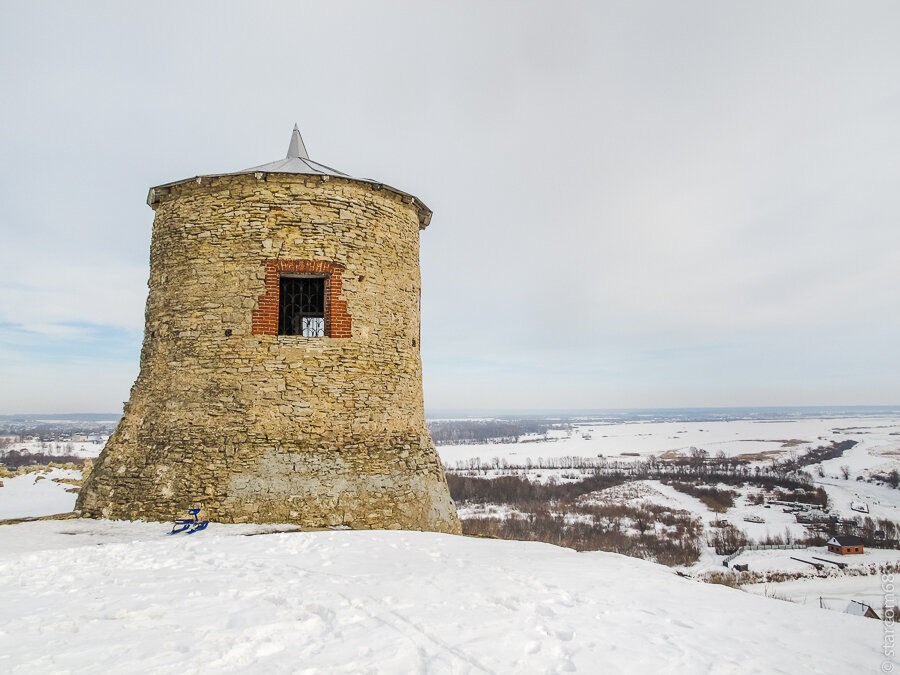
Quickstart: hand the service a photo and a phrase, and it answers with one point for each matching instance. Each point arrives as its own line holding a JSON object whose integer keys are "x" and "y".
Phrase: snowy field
{"x": 100, "y": 596}
{"x": 756, "y": 440}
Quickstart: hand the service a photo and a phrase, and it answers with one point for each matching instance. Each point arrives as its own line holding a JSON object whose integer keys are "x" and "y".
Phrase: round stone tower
{"x": 281, "y": 379}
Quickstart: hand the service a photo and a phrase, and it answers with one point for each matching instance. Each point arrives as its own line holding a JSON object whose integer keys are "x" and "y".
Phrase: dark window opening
{"x": 301, "y": 306}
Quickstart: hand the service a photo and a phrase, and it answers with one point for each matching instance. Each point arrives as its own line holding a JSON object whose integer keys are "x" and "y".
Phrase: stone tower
{"x": 280, "y": 374}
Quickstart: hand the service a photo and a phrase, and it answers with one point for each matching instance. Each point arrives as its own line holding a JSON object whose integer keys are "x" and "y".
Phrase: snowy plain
{"x": 878, "y": 436}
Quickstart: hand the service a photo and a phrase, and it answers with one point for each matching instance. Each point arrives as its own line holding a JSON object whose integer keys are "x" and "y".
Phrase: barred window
{"x": 301, "y": 307}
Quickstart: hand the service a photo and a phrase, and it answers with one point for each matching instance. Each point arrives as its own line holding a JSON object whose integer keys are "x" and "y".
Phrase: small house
{"x": 845, "y": 544}
{"x": 857, "y": 608}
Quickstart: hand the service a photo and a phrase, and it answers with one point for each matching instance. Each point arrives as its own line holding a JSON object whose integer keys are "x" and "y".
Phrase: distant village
{"x": 26, "y": 441}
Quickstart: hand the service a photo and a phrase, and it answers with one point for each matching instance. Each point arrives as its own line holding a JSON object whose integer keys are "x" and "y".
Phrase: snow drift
{"x": 100, "y": 596}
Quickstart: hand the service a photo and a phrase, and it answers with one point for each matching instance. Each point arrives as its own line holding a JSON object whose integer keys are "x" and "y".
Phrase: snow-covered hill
{"x": 38, "y": 493}
{"x": 118, "y": 597}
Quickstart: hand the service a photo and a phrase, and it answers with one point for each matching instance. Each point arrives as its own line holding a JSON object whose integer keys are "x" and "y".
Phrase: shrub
{"x": 717, "y": 500}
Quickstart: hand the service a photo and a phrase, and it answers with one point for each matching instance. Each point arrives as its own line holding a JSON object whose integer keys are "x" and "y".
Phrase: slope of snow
{"x": 99, "y": 596}
{"x": 831, "y": 593}
{"x": 37, "y": 494}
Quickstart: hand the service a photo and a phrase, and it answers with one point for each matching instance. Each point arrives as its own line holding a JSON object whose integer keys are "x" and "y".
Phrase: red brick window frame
{"x": 337, "y": 320}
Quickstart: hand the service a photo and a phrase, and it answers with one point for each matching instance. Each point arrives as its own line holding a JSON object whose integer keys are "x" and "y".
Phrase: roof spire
{"x": 297, "y": 148}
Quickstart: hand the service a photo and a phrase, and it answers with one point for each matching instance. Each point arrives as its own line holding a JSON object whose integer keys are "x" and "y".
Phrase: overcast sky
{"x": 636, "y": 204}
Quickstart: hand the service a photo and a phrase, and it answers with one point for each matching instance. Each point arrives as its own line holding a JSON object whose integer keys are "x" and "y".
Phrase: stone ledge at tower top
{"x": 297, "y": 161}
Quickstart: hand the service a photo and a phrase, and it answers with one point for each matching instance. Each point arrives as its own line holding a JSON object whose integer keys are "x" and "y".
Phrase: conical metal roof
{"x": 297, "y": 161}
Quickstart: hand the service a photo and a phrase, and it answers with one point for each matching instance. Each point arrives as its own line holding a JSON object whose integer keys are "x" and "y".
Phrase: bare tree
{"x": 894, "y": 478}
{"x": 845, "y": 471}
{"x": 698, "y": 457}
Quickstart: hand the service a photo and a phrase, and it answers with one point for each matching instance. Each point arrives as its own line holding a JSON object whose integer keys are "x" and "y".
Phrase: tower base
{"x": 390, "y": 483}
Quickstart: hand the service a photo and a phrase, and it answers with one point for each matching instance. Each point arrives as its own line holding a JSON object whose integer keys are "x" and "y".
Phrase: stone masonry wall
{"x": 259, "y": 427}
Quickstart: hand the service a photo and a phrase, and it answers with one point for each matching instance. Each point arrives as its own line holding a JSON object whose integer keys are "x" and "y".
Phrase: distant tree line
{"x": 698, "y": 465}
{"x": 518, "y": 490}
{"x": 880, "y": 532}
{"x": 892, "y": 478}
{"x": 649, "y": 531}
{"x": 460, "y": 432}
{"x": 876, "y": 533}
{"x": 652, "y": 469}
{"x": 13, "y": 459}
{"x": 796, "y": 461}
{"x": 478, "y": 465}
{"x": 561, "y": 512}
{"x": 553, "y": 513}
{"x": 521, "y": 492}
{"x": 49, "y": 432}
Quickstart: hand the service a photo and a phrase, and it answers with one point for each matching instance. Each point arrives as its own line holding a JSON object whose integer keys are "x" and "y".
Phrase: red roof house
{"x": 845, "y": 544}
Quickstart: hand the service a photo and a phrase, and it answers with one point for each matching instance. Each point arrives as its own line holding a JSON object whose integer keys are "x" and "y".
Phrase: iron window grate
{"x": 301, "y": 307}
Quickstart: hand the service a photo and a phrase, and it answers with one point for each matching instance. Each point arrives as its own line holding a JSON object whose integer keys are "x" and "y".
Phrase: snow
{"x": 882, "y": 500}
{"x": 833, "y": 593}
{"x": 857, "y": 608}
{"x": 37, "y": 494}
{"x": 770, "y": 560}
{"x": 877, "y": 435}
{"x": 500, "y": 511}
{"x": 74, "y": 448}
{"x": 100, "y": 596}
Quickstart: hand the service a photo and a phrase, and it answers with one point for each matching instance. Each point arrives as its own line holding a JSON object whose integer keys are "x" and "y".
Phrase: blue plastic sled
{"x": 192, "y": 524}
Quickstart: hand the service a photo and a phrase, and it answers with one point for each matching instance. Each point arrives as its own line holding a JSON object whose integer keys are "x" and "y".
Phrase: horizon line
{"x": 546, "y": 410}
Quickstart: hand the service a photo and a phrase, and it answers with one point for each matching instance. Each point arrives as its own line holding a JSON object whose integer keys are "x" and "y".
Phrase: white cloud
{"x": 57, "y": 291}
